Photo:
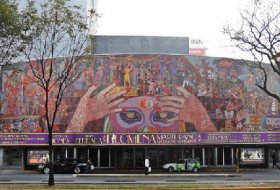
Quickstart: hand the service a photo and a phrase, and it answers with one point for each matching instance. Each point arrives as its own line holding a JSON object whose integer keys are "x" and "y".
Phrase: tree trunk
{"x": 51, "y": 177}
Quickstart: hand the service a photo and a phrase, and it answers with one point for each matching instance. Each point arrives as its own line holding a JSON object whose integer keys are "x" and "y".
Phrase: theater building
{"x": 148, "y": 96}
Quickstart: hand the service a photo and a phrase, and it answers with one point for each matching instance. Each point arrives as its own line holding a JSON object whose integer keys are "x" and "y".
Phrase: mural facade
{"x": 144, "y": 94}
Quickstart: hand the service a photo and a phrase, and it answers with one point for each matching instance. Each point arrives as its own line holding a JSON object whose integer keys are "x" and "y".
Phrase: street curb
{"x": 157, "y": 175}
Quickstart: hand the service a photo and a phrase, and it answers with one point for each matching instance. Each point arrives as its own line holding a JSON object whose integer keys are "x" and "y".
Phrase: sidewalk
{"x": 159, "y": 172}
{"x": 209, "y": 172}
{"x": 229, "y": 176}
{"x": 189, "y": 174}
{"x": 12, "y": 169}
{"x": 205, "y": 171}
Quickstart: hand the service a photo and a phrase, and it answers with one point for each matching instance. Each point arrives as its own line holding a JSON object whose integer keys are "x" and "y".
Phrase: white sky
{"x": 199, "y": 19}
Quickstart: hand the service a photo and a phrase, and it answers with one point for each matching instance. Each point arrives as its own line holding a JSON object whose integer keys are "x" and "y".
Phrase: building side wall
{"x": 140, "y": 44}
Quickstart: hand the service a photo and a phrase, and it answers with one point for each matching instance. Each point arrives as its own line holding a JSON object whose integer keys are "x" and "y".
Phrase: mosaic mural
{"x": 145, "y": 93}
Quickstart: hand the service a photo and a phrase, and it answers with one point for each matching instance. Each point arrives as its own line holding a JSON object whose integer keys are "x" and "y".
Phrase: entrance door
{"x": 175, "y": 154}
{"x": 127, "y": 157}
{"x": 228, "y": 155}
{"x": 157, "y": 156}
{"x": 139, "y": 157}
{"x": 153, "y": 156}
{"x": 199, "y": 154}
{"x": 104, "y": 157}
{"x": 82, "y": 154}
{"x": 209, "y": 156}
{"x": 12, "y": 156}
{"x": 93, "y": 156}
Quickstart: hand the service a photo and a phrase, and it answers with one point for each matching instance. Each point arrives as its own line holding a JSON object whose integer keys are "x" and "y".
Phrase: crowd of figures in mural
{"x": 144, "y": 93}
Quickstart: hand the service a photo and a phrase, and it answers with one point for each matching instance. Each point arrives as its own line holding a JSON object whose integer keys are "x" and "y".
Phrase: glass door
{"x": 127, "y": 157}
{"x": 228, "y": 155}
{"x": 139, "y": 157}
{"x": 82, "y": 154}
{"x": 209, "y": 156}
{"x": 104, "y": 157}
{"x": 93, "y": 156}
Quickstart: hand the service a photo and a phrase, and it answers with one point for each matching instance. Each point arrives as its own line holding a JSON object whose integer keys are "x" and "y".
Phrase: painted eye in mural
{"x": 130, "y": 116}
{"x": 160, "y": 117}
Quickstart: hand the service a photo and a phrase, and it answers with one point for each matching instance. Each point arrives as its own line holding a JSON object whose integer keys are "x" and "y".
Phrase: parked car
{"x": 65, "y": 165}
{"x": 189, "y": 164}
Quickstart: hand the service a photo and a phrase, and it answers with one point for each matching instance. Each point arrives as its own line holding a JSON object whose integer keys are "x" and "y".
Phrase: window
{"x": 139, "y": 157}
{"x": 181, "y": 162}
{"x": 104, "y": 157}
{"x": 127, "y": 157}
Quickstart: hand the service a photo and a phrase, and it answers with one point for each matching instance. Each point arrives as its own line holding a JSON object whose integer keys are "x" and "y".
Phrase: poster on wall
{"x": 35, "y": 157}
{"x": 252, "y": 156}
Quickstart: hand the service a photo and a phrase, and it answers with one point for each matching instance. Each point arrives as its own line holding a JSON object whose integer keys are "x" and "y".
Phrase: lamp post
{"x": 237, "y": 160}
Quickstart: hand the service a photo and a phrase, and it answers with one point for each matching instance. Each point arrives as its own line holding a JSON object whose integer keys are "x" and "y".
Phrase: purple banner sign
{"x": 7, "y": 139}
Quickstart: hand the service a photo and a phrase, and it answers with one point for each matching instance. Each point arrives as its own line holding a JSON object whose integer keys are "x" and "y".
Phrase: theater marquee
{"x": 140, "y": 139}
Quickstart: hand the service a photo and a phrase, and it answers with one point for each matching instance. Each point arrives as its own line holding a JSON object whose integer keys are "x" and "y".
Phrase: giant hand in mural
{"x": 174, "y": 113}
{"x": 95, "y": 107}
{"x": 187, "y": 108}
{"x": 141, "y": 114}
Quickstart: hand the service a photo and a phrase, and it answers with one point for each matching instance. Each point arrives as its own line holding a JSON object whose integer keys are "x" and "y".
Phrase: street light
{"x": 237, "y": 160}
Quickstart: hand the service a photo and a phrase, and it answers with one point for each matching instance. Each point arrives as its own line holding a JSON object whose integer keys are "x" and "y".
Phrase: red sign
{"x": 197, "y": 51}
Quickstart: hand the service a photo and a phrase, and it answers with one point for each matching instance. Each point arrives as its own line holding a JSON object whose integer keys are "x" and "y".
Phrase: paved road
{"x": 268, "y": 176}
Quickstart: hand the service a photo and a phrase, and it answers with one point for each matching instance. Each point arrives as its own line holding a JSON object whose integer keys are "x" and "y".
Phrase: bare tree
{"x": 259, "y": 35}
{"x": 11, "y": 38}
{"x": 56, "y": 54}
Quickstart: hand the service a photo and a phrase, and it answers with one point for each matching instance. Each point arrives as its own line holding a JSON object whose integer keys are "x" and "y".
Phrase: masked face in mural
{"x": 140, "y": 115}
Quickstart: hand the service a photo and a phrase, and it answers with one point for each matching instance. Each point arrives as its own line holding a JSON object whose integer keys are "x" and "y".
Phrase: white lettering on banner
{"x": 273, "y": 121}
